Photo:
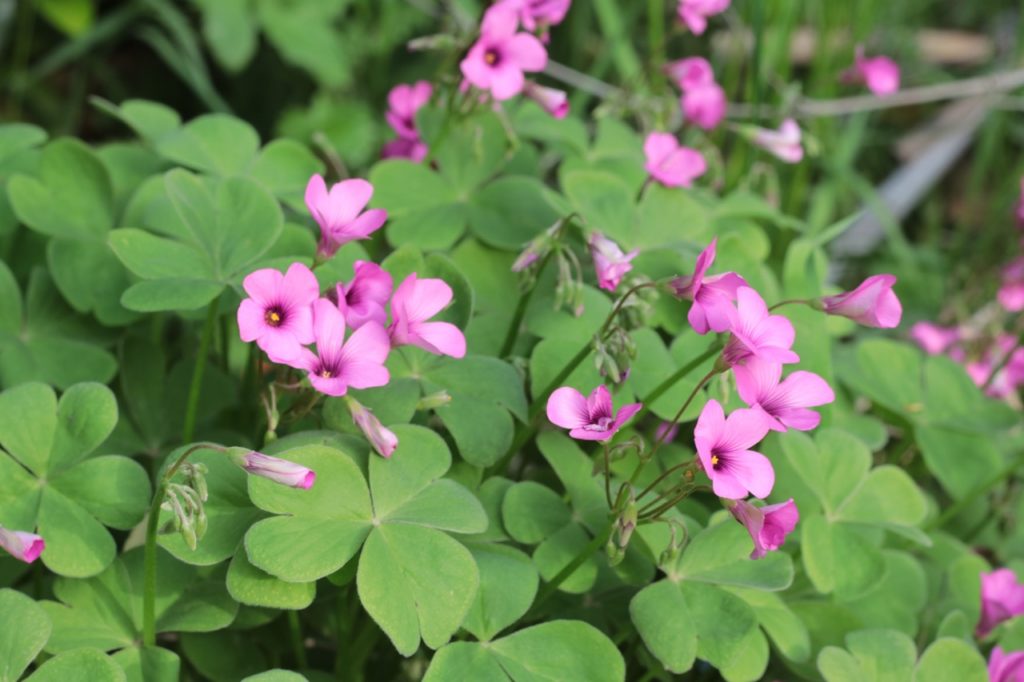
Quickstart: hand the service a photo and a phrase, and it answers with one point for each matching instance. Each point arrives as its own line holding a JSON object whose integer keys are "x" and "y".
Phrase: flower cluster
{"x": 703, "y": 101}
{"x": 498, "y": 61}
{"x": 341, "y": 339}
{"x": 757, "y": 347}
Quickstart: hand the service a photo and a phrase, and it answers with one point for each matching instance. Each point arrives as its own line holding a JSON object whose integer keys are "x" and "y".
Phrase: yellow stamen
{"x": 714, "y": 460}
{"x": 490, "y": 58}
{"x": 274, "y": 317}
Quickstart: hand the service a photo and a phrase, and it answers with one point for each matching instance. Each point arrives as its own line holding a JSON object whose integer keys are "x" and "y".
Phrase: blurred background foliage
{"x": 319, "y": 71}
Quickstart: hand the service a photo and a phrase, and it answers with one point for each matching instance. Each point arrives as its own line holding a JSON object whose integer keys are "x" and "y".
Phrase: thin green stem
{"x": 607, "y": 476}
{"x": 675, "y": 377}
{"x": 512, "y": 335}
{"x": 665, "y": 474}
{"x": 549, "y": 588}
{"x": 621, "y": 302}
{"x": 295, "y": 633}
{"x": 685, "y": 492}
{"x": 790, "y": 301}
{"x": 977, "y": 492}
{"x": 195, "y": 388}
{"x": 679, "y": 415}
{"x": 609, "y": 18}
{"x": 149, "y": 550}
{"x": 1003, "y": 361}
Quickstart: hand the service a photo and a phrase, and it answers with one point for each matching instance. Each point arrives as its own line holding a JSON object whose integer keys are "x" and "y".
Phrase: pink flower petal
{"x": 567, "y": 408}
{"x": 442, "y": 337}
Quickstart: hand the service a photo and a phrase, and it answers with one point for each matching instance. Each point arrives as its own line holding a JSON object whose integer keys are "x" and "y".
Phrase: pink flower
{"x": 880, "y": 74}
{"x": 278, "y": 470}
{"x": 383, "y": 440}
{"x": 590, "y": 418}
{"x": 401, "y": 148}
{"x": 712, "y": 296}
{"x": 338, "y": 364}
{"x": 497, "y": 60}
{"x": 756, "y": 333}
{"x": 403, "y": 103}
{"x": 277, "y": 315}
{"x": 723, "y": 446}
{"x": 933, "y": 338}
{"x": 691, "y": 73}
{"x": 415, "y": 302}
{"x": 610, "y": 262}
{"x": 365, "y": 297}
{"x": 553, "y": 101}
{"x": 784, "y": 143}
{"x": 339, "y": 212}
{"x": 704, "y": 105}
{"x": 1011, "y": 293}
{"x": 872, "y": 304}
{"x": 21, "y": 545}
{"x": 669, "y": 163}
{"x": 1002, "y": 598}
{"x": 768, "y": 526}
{"x": 538, "y": 13}
{"x": 695, "y": 13}
{"x": 1006, "y": 667}
{"x": 784, "y": 402}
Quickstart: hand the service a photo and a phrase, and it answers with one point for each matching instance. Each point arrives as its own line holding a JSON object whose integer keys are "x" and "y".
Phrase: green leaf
{"x": 751, "y": 660}
{"x": 943, "y": 449}
{"x": 71, "y": 494}
{"x": 324, "y": 525}
{"x": 249, "y": 585}
{"x": 669, "y": 217}
{"x": 887, "y": 495}
{"x": 722, "y": 619}
{"x": 557, "y": 650}
{"x": 91, "y": 278}
{"x": 228, "y": 510}
{"x": 229, "y": 28}
{"x": 422, "y": 207}
{"x": 305, "y": 35}
{"x": 214, "y": 143}
{"x": 510, "y": 211}
{"x": 284, "y": 168}
{"x": 508, "y": 584}
{"x": 24, "y": 629}
{"x": 416, "y": 583}
{"x": 662, "y": 618}
{"x": 170, "y": 294}
{"x": 72, "y": 196}
{"x": 80, "y": 665}
{"x": 149, "y": 664}
{"x": 604, "y": 201}
{"x": 533, "y": 512}
{"x": 150, "y": 120}
{"x": 950, "y": 660}
{"x": 838, "y": 558}
{"x": 721, "y": 554}
{"x": 833, "y": 465}
{"x": 276, "y": 676}
{"x": 872, "y": 656}
{"x": 558, "y": 550}
{"x": 105, "y": 611}
{"x": 471, "y": 152}
{"x": 787, "y": 631}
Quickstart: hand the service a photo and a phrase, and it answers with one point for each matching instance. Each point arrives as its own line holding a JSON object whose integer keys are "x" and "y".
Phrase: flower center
{"x": 274, "y": 317}
{"x": 326, "y": 373}
{"x": 492, "y": 57}
{"x": 714, "y": 460}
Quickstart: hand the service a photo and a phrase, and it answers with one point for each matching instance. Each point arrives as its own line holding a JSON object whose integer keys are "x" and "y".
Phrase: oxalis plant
{"x": 539, "y": 398}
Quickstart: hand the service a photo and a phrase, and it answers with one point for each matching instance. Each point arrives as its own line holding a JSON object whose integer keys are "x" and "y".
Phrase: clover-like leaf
{"x": 557, "y": 650}
{"x": 71, "y": 199}
{"x": 413, "y": 579}
{"x": 50, "y": 481}
{"x": 79, "y": 665}
{"x": 24, "y": 630}
{"x": 216, "y": 230}
{"x": 105, "y": 611}
{"x": 486, "y": 393}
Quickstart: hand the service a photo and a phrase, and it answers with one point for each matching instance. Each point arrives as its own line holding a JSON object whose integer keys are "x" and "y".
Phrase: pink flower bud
{"x": 383, "y": 440}
{"x": 872, "y": 304}
{"x": 768, "y": 526}
{"x": 22, "y": 546}
{"x": 553, "y": 101}
{"x": 278, "y": 470}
